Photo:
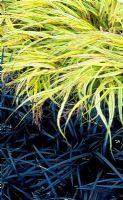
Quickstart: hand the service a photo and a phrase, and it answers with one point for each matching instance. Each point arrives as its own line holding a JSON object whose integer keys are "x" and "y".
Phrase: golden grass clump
{"x": 64, "y": 50}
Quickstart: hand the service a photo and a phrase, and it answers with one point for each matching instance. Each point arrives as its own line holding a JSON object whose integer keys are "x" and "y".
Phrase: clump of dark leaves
{"x": 41, "y": 165}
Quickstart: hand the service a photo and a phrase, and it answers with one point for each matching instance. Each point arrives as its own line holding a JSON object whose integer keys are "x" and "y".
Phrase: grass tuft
{"x": 66, "y": 51}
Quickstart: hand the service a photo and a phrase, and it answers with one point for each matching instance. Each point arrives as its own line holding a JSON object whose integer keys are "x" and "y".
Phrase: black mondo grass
{"x": 42, "y": 165}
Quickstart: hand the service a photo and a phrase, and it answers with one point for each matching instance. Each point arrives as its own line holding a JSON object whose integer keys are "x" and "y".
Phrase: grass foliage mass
{"x": 69, "y": 51}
